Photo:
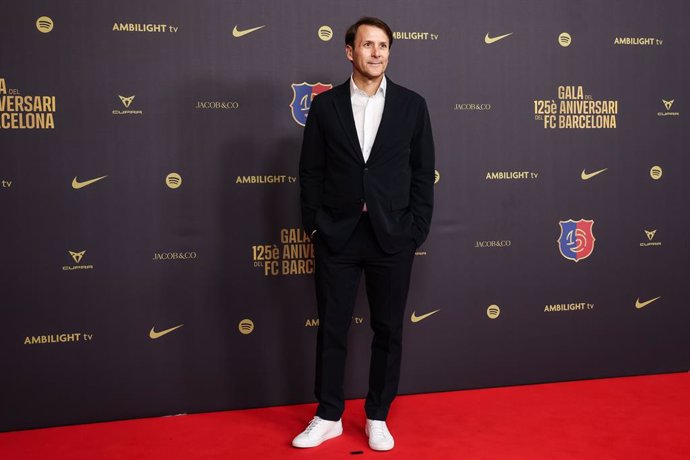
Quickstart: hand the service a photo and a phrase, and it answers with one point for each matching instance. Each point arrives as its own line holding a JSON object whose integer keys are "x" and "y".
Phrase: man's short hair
{"x": 367, "y": 21}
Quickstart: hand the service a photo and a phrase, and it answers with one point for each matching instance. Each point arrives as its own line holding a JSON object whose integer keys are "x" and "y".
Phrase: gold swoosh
{"x": 76, "y": 185}
{"x": 639, "y": 304}
{"x": 586, "y": 175}
{"x": 489, "y": 40}
{"x": 241, "y": 33}
{"x": 415, "y": 319}
{"x": 155, "y": 335}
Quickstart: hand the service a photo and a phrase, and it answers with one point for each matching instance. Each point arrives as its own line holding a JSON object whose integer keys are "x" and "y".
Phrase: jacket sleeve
{"x": 423, "y": 174}
{"x": 311, "y": 168}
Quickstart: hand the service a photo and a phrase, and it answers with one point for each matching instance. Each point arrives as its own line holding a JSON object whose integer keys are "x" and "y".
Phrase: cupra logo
{"x": 126, "y": 101}
{"x": 77, "y": 256}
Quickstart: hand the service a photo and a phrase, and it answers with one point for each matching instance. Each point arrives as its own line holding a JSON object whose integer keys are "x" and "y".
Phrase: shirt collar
{"x": 354, "y": 89}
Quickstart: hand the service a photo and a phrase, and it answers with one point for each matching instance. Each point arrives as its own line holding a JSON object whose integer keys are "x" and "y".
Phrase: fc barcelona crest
{"x": 577, "y": 240}
{"x": 302, "y": 95}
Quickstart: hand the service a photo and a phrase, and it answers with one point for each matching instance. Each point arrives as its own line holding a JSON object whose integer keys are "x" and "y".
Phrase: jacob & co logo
{"x": 217, "y": 105}
{"x": 127, "y": 102}
{"x": 492, "y": 244}
{"x": 188, "y": 255}
{"x": 302, "y": 95}
{"x": 77, "y": 257}
{"x": 471, "y": 106}
{"x": 576, "y": 241}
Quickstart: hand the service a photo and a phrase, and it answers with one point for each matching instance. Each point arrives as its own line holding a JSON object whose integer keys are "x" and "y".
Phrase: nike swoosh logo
{"x": 241, "y": 33}
{"x": 415, "y": 319}
{"x": 585, "y": 175}
{"x": 489, "y": 40}
{"x": 76, "y": 185}
{"x": 155, "y": 335}
{"x": 639, "y": 304}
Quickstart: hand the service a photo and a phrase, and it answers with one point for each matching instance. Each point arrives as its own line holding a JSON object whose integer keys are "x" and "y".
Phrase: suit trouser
{"x": 337, "y": 276}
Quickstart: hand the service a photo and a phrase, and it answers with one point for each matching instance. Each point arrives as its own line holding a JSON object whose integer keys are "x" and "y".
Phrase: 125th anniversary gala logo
{"x": 576, "y": 241}
{"x": 294, "y": 256}
{"x": 25, "y": 112}
{"x": 576, "y": 110}
{"x": 302, "y": 95}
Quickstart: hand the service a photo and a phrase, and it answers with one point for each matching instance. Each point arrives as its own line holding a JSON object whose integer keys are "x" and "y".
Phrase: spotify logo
{"x": 325, "y": 33}
{"x": 656, "y": 172}
{"x": 246, "y": 326}
{"x": 437, "y": 176}
{"x": 173, "y": 180}
{"x": 44, "y": 24}
{"x": 564, "y": 39}
{"x": 493, "y": 311}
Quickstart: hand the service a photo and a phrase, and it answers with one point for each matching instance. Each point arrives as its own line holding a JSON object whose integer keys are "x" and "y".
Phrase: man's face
{"x": 369, "y": 56}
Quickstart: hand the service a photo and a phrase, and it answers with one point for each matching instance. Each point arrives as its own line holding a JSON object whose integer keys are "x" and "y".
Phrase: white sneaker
{"x": 318, "y": 431}
{"x": 379, "y": 436}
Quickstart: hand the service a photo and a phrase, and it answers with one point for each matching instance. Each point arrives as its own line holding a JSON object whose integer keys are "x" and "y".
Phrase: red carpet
{"x": 624, "y": 418}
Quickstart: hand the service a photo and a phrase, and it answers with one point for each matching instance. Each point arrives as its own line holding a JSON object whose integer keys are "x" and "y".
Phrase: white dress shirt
{"x": 367, "y": 111}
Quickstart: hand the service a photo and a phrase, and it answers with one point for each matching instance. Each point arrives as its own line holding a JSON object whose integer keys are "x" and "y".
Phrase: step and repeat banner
{"x": 152, "y": 257}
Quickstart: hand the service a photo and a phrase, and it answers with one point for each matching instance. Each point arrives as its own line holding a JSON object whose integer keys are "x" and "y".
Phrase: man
{"x": 367, "y": 177}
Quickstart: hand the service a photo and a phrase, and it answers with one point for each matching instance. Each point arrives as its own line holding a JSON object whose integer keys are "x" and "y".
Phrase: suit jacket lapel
{"x": 343, "y": 107}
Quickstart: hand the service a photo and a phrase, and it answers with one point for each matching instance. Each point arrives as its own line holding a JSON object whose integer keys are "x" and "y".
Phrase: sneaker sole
{"x": 331, "y": 435}
{"x": 379, "y": 448}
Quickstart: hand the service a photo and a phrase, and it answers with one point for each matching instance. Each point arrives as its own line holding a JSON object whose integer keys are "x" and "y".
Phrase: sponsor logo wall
{"x": 153, "y": 258}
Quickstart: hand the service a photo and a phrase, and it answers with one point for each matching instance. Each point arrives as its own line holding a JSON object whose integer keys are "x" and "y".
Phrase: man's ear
{"x": 348, "y": 52}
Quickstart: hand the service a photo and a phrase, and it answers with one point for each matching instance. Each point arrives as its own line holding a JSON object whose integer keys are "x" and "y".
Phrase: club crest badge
{"x": 576, "y": 241}
{"x": 302, "y": 95}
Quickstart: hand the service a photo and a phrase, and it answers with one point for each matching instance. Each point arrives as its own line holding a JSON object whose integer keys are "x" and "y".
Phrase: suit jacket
{"x": 397, "y": 181}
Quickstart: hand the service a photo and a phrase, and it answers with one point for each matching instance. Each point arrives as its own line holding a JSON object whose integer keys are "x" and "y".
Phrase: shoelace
{"x": 314, "y": 422}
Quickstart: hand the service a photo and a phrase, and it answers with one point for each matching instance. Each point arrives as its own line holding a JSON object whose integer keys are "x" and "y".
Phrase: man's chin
{"x": 374, "y": 75}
